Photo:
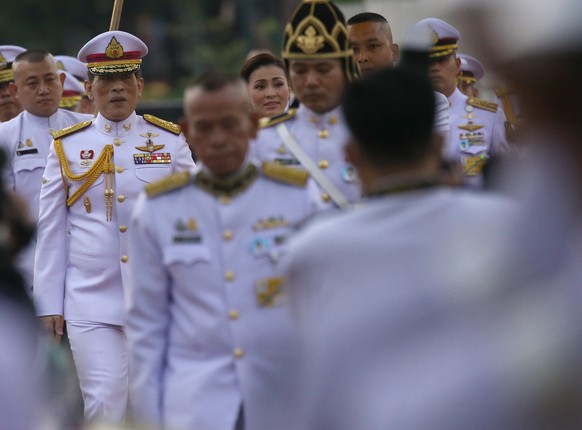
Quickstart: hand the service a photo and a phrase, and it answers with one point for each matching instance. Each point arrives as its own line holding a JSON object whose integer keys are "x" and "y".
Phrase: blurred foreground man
{"x": 208, "y": 323}
{"x": 38, "y": 87}
{"x": 95, "y": 170}
{"x": 370, "y": 286}
{"x": 320, "y": 63}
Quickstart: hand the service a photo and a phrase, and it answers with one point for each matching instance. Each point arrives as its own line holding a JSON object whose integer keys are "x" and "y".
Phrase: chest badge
{"x": 470, "y": 126}
{"x": 86, "y": 156}
{"x": 149, "y": 146}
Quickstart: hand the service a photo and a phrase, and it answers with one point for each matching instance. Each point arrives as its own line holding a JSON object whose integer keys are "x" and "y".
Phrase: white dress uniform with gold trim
{"x": 321, "y": 136}
{"x": 208, "y": 325}
{"x": 101, "y": 156}
{"x": 26, "y": 140}
{"x": 477, "y": 131}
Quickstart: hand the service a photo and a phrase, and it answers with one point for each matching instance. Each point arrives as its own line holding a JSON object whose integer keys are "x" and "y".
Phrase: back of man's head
{"x": 390, "y": 114}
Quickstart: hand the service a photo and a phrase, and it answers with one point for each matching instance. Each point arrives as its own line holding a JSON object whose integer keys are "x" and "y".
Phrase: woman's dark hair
{"x": 261, "y": 60}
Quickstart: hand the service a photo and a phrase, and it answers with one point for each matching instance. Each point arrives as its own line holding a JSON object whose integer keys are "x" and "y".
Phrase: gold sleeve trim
{"x": 288, "y": 175}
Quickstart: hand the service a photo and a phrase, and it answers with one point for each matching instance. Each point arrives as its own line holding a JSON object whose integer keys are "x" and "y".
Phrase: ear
{"x": 458, "y": 65}
{"x": 88, "y": 89}
{"x": 13, "y": 88}
{"x": 62, "y": 77}
{"x": 140, "y": 86}
{"x": 395, "y": 51}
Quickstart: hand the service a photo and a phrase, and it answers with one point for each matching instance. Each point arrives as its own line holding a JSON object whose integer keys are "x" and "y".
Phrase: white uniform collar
{"x": 457, "y": 98}
{"x": 48, "y": 122}
{"x": 116, "y": 129}
{"x": 328, "y": 118}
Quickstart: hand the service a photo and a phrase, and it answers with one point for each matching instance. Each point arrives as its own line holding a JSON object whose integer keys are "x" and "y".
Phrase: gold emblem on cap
{"x": 435, "y": 36}
{"x": 310, "y": 42}
{"x": 60, "y": 65}
{"x": 3, "y": 62}
{"x": 114, "y": 50}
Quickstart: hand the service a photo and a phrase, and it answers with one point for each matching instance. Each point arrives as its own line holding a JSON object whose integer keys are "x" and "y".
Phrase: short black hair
{"x": 261, "y": 60}
{"x": 391, "y": 114}
{"x": 32, "y": 56}
{"x": 366, "y": 17}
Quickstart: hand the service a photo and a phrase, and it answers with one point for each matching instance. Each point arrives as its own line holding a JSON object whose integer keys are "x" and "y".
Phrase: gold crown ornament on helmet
{"x": 318, "y": 30}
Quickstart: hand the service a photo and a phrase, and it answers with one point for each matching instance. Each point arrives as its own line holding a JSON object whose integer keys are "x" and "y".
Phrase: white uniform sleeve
{"x": 441, "y": 116}
{"x": 148, "y": 316}
{"x": 50, "y": 262}
{"x": 183, "y": 157}
{"x": 7, "y": 173}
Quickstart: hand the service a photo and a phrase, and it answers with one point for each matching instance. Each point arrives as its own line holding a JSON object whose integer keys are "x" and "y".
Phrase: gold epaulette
{"x": 288, "y": 175}
{"x": 70, "y": 130}
{"x": 170, "y": 183}
{"x": 483, "y": 104}
{"x": 274, "y": 120}
{"x": 162, "y": 123}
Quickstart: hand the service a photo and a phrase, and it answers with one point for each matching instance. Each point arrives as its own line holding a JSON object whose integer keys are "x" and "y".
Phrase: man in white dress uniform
{"x": 320, "y": 63}
{"x": 208, "y": 324}
{"x": 38, "y": 86}
{"x": 95, "y": 170}
{"x": 476, "y": 126}
{"x": 369, "y": 287}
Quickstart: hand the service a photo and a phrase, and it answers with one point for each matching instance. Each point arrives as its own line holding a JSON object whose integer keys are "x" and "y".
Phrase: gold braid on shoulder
{"x": 103, "y": 164}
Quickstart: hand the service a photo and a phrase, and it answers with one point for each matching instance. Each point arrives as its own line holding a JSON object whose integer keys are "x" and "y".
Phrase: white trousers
{"x": 100, "y": 355}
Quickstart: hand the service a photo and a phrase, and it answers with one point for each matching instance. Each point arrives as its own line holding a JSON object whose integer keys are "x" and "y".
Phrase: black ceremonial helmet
{"x": 317, "y": 30}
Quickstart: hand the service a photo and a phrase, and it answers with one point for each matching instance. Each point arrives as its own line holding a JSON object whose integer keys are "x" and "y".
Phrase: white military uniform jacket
{"x": 321, "y": 136}
{"x": 359, "y": 278}
{"x": 477, "y": 131}
{"x": 26, "y": 140}
{"x": 208, "y": 326}
{"x": 86, "y": 282}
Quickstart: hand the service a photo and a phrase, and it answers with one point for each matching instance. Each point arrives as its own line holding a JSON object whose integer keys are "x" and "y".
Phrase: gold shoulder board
{"x": 274, "y": 120}
{"x": 162, "y": 123}
{"x": 483, "y": 104}
{"x": 288, "y": 175}
{"x": 171, "y": 183}
{"x": 70, "y": 130}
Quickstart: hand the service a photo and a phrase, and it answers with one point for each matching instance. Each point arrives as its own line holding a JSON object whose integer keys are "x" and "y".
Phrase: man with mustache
{"x": 38, "y": 88}
{"x": 94, "y": 173}
{"x": 320, "y": 63}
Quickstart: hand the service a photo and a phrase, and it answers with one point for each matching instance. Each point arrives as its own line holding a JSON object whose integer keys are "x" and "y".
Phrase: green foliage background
{"x": 185, "y": 37}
